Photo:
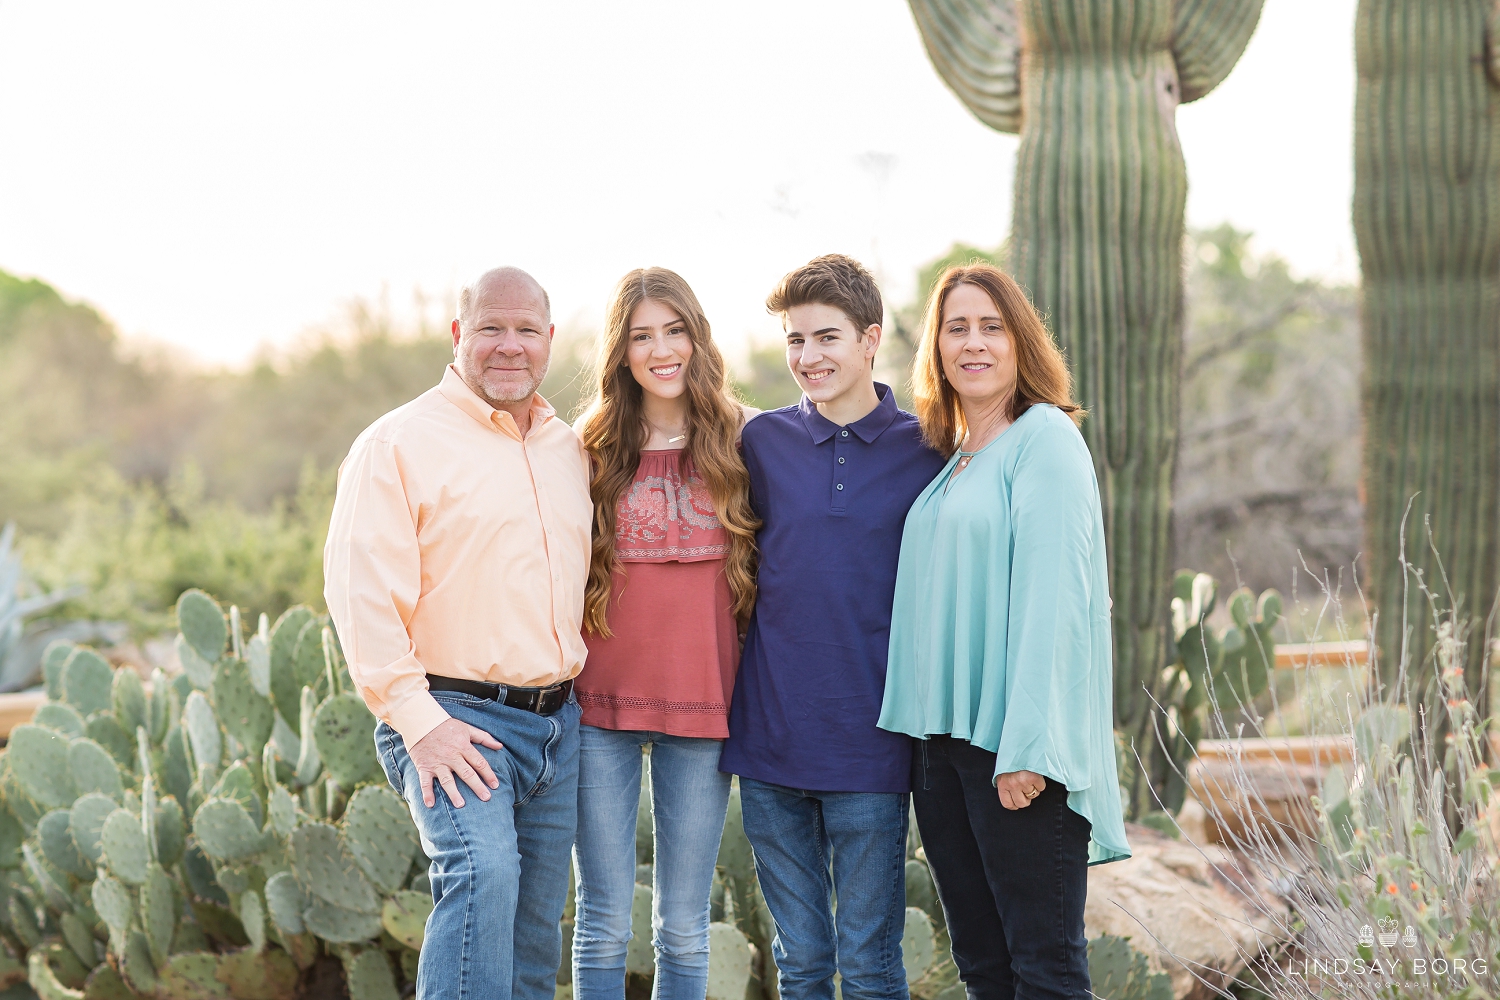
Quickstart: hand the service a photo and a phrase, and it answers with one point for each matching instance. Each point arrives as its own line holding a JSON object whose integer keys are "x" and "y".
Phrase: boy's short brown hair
{"x": 831, "y": 280}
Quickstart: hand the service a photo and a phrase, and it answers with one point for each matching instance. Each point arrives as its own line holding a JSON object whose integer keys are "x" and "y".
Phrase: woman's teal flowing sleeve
{"x": 1058, "y": 678}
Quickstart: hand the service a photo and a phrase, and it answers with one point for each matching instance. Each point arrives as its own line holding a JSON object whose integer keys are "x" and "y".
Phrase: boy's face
{"x": 828, "y": 356}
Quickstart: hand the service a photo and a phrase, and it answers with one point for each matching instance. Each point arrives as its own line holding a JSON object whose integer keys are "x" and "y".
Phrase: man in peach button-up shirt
{"x": 455, "y": 570}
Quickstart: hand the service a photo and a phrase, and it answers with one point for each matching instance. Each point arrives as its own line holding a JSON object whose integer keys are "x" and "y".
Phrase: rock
{"x": 1176, "y": 902}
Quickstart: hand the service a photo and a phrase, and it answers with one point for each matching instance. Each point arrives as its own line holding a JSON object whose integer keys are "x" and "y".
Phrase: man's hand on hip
{"x": 449, "y": 750}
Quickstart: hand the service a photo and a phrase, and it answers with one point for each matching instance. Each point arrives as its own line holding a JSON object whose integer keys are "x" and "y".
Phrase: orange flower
{"x": 1392, "y": 889}
{"x": 1414, "y": 887}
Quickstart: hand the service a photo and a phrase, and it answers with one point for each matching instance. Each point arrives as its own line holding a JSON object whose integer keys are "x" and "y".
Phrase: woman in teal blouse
{"x": 1000, "y": 645}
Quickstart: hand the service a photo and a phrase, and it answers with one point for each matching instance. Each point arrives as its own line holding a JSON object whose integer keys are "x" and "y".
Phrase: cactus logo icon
{"x": 1410, "y": 937}
{"x": 1388, "y": 932}
{"x": 1367, "y": 936}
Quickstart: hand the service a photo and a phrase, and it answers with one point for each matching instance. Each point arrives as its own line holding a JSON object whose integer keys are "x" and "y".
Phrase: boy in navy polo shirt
{"x": 821, "y": 786}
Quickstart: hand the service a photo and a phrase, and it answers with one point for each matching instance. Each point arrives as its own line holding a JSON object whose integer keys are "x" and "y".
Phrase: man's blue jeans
{"x": 499, "y": 868}
{"x": 811, "y": 846}
{"x": 689, "y": 797}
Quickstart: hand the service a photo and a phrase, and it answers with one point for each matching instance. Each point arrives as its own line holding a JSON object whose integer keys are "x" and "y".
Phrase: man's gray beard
{"x": 511, "y": 395}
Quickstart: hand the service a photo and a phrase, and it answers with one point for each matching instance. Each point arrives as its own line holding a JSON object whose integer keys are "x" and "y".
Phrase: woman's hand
{"x": 1018, "y": 788}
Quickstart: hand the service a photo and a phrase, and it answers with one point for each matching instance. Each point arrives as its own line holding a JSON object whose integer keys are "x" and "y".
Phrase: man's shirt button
{"x": 841, "y": 459}
{"x": 844, "y": 433}
{"x": 839, "y": 486}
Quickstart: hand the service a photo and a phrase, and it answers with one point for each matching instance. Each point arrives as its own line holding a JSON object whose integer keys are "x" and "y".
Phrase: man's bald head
{"x": 509, "y": 282}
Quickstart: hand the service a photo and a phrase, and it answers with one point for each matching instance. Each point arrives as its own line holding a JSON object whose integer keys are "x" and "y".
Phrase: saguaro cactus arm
{"x": 975, "y": 45}
{"x": 1208, "y": 38}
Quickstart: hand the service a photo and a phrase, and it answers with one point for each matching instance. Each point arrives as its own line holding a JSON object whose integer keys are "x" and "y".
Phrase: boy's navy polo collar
{"x": 867, "y": 428}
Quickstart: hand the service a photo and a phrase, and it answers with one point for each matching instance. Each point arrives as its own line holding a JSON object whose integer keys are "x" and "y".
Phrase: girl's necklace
{"x": 670, "y": 440}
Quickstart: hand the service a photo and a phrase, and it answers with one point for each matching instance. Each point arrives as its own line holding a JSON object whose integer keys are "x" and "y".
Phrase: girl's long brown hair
{"x": 613, "y": 429}
{"x": 1042, "y": 375}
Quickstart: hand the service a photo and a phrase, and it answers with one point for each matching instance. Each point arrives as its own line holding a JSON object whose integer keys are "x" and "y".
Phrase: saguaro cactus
{"x": 1427, "y": 220}
{"x": 1093, "y": 86}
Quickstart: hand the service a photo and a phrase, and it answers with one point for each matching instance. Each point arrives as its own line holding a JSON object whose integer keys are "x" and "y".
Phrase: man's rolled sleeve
{"x": 372, "y": 572}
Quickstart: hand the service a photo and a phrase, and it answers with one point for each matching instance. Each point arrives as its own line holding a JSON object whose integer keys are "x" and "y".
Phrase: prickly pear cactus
{"x": 160, "y": 841}
{"x": 1118, "y": 972}
{"x": 1093, "y": 87}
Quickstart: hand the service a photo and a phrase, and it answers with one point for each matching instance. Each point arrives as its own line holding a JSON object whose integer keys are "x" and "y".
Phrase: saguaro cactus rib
{"x": 1100, "y": 193}
{"x": 975, "y": 46}
{"x": 1207, "y": 40}
{"x": 1427, "y": 222}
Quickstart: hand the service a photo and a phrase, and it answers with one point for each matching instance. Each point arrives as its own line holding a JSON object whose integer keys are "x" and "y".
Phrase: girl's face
{"x": 978, "y": 355}
{"x": 659, "y": 349}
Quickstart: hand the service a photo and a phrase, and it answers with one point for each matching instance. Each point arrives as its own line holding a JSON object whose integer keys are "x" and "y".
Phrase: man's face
{"x": 826, "y": 353}
{"x": 503, "y": 347}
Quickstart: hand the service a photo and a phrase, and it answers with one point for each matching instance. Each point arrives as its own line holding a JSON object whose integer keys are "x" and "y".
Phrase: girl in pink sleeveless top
{"x": 671, "y": 583}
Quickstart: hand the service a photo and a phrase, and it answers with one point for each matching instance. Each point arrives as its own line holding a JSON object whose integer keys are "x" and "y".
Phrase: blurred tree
{"x": 1268, "y": 458}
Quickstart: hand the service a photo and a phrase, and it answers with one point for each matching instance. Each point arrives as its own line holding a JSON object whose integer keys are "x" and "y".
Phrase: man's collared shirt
{"x": 832, "y": 501}
{"x": 458, "y": 548}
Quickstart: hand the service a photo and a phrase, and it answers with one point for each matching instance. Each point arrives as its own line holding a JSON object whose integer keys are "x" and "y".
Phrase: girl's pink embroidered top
{"x": 669, "y": 666}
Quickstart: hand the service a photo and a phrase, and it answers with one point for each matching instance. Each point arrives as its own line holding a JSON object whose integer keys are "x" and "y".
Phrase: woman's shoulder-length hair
{"x": 1042, "y": 374}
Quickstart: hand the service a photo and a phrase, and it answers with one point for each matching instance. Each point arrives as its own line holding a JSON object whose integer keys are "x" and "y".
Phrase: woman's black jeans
{"x": 1012, "y": 882}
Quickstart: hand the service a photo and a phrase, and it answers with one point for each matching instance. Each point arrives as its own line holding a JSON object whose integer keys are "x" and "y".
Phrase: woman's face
{"x": 978, "y": 356}
{"x": 659, "y": 349}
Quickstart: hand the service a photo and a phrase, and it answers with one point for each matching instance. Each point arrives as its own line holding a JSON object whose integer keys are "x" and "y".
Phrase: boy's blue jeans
{"x": 499, "y": 868}
{"x": 810, "y": 846}
{"x": 689, "y": 797}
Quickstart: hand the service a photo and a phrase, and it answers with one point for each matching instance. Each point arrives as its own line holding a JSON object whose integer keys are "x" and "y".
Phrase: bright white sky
{"x": 219, "y": 177}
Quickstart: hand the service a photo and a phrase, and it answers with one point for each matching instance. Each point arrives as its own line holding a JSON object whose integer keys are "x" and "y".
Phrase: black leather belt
{"x": 541, "y": 700}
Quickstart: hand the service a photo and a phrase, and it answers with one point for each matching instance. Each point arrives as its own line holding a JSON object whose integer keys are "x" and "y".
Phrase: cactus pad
{"x": 283, "y": 809}
{"x": 202, "y": 624}
{"x": 125, "y": 849}
{"x": 238, "y": 783}
{"x": 344, "y": 731}
{"x": 53, "y": 659}
{"x": 920, "y": 890}
{"x": 225, "y": 830}
{"x": 86, "y": 681}
{"x": 170, "y": 830}
{"x": 638, "y": 954}
{"x": 104, "y": 983}
{"x": 191, "y": 976}
{"x": 61, "y": 718}
{"x": 113, "y": 904}
{"x": 381, "y": 836}
{"x": 86, "y": 824}
{"x": 370, "y": 977}
{"x": 39, "y": 761}
{"x": 308, "y": 762}
{"x": 79, "y": 938}
{"x": 286, "y": 684}
{"x": 11, "y": 836}
{"x": 198, "y": 672}
{"x": 127, "y": 699}
{"x": 158, "y": 912}
{"x": 337, "y": 925}
{"x": 48, "y": 879}
{"x": 159, "y": 708}
{"x": 22, "y": 921}
{"x": 93, "y": 769}
{"x": 105, "y": 729}
{"x": 404, "y": 917}
{"x": 246, "y": 714}
{"x": 200, "y": 875}
{"x": 204, "y": 736}
{"x": 258, "y": 659}
{"x": 1118, "y": 970}
{"x": 326, "y": 868}
{"x": 268, "y": 974}
{"x": 728, "y": 962}
{"x": 918, "y": 943}
{"x": 253, "y": 919}
{"x": 176, "y": 773}
{"x": 44, "y": 981}
{"x": 286, "y": 901}
{"x": 58, "y": 847}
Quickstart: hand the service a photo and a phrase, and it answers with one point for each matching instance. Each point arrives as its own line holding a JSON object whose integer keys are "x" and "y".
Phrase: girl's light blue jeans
{"x": 689, "y": 797}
